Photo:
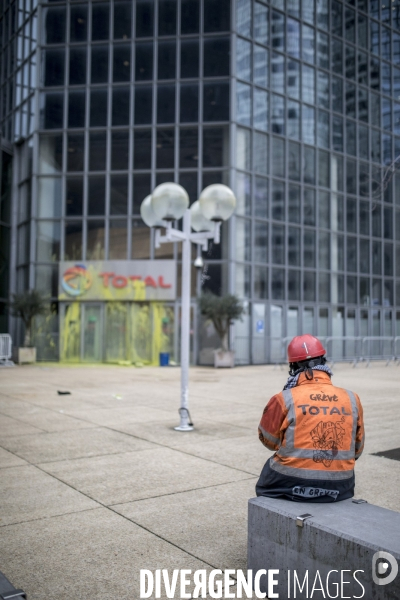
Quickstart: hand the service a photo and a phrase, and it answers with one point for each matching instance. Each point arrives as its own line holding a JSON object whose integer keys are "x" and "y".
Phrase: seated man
{"x": 315, "y": 428}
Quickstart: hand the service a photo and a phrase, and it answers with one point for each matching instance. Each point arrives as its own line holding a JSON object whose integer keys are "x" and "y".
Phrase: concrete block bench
{"x": 325, "y": 550}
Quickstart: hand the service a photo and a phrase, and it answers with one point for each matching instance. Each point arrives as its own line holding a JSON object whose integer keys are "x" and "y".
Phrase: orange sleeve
{"x": 360, "y": 433}
{"x": 269, "y": 428}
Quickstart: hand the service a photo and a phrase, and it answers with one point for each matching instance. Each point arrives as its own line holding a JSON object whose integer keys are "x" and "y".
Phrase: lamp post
{"x": 169, "y": 201}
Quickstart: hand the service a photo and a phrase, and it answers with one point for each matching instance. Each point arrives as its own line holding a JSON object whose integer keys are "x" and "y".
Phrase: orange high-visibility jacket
{"x": 316, "y": 429}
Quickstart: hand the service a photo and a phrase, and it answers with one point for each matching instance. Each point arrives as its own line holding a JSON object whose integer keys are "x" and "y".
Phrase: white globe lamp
{"x": 169, "y": 201}
{"x": 217, "y": 202}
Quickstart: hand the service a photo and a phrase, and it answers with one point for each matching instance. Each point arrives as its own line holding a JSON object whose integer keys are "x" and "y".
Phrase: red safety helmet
{"x": 303, "y": 347}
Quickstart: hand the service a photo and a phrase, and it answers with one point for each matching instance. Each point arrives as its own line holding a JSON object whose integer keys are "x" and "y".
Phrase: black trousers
{"x": 275, "y": 485}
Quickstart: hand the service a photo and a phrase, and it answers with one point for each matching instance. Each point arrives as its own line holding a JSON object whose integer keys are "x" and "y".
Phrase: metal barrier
{"x": 6, "y": 350}
{"x": 357, "y": 349}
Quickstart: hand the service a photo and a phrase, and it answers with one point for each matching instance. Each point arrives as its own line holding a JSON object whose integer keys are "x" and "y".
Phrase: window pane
{"x": 189, "y": 16}
{"x": 294, "y": 204}
{"x": 260, "y": 283}
{"x": 166, "y": 60}
{"x": 260, "y": 66}
{"x": 142, "y": 149}
{"x": 260, "y": 111}
{"x": 143, "y": 105}
{"x": 77, "y": 66}
{"x": 76, "y": 109}
{"x": 78, "y": 28}
{"x": 261, "y": 23}
{"x": 309, "y": 207}
{"x": 166, "y": 17}
{"x": 120, "y": 150}
{"x": 215, "y": 147}
{"x": 217, "y": 15}
{"x": 73, "y": 240}
{"x": 52, "y": 112}
{"x": 260, "y": 197}
{"x": 189, "y": 58}
{"x": 54, "y": 67}
{"x": 141, "y": 189}
{"x": 308, "y": 286}
{"x": 122, "y": 20}
{"x": 99, "y": 64}
{"x": 189, "y": 182}
{"x": 144, "y": 18}
{"x": 278, "y": 284}
{"x": 96, "y": 195}
{"x": 118, "y": 239}
{"x": 278, "y": 200}
{"x": 278, "y": 157}
{"x": 98, "y": 108}
{"x": 166, "y": 104}
{"x": 216, "y": 57}
{"x": 243, "y": 103}
{"x": 100, "y": 21}
{"x": 260, "y": 153}
{"x": 74, "y": 196}
{"x": 243, "y": 149}
{"x": 278, "y": 119}
{"x": 48, "y": 241}
{"x": 188, "y": 151}
{"x": 122, "y": 63}
{"x": 97, "y": 150}
{"x": 165, "y": 148}
{"x": 189, "y": 103}
{"x": 294, "y": 161}
{"x": 294, "y": 252}
{"x": 260, "y": 242}
{"x": 309, "y": 248}
{"x": 49, "y": 197}
{"x": 50, "y": 154}
{"x": 216, "y": 101}
{"x": 54, "y": 25}
{"x": 308, "y": 125}
{"x": 243, "y": 59}
{"x": 119, "y": 195}
{"x": 120, "y": 106}
{"x": 75, "y": 152}
{"x": 140, "y": 240}
{"x": 243, "y": 195}
{"x": 95, "y": 240}
{"x": 144, "y": 61}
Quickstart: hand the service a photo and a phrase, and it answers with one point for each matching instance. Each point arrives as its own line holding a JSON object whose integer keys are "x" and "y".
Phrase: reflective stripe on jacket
{"x": 315, "y": 428}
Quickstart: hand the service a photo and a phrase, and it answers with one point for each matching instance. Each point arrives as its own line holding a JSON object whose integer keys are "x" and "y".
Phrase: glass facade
{"x": 318, "y": 223}
{"x": 294, "y": 104}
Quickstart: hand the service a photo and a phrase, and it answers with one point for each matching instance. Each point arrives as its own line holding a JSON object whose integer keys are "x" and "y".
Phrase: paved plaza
{"x": 96, "y": 485}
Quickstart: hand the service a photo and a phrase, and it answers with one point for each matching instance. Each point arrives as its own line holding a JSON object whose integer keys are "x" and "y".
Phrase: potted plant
{"x": 222, "y": 311}
{"x": 27, "y": 305}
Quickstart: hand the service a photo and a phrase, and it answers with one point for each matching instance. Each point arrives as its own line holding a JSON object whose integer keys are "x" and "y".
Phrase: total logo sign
{"x": 76, "y": 280}
{"x": 118, "y": 280}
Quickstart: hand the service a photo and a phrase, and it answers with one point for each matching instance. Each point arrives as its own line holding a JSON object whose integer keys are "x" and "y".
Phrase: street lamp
{"x": 169, "y": 201}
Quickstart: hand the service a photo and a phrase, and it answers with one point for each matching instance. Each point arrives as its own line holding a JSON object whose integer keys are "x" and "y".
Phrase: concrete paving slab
{"x": 120, "y": 414}
{"x": 46, "y": 420}
{"x": 10, "y": 426}
{"x": 246, "y": 453}
{"x": 26, "y": 494}
{"x": 95, "y": 554}
{"x": 378, "y": 481}
{"x": 7, "y": 459}
{"x": 188, "y": 521}
{"x": 137, "y": 475}
{"x": 163, "y": 432}
{"x": 67, "y": 445}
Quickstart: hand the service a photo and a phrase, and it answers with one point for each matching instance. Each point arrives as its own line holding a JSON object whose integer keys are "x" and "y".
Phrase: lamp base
{"x": 184, "y": 428}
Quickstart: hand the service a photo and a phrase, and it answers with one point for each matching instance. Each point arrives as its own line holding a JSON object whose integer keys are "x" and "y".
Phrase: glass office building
{"x": 295, "y": 104}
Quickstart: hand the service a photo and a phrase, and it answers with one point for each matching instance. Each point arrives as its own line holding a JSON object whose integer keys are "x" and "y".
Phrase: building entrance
{"x": 115, "y": 332}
